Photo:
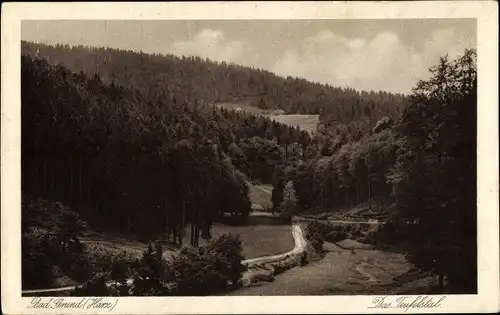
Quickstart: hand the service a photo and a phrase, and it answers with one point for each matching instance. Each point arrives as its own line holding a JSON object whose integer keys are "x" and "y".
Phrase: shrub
{"x": 36, "y": 264}
{"x": 304, "y": 259}
{"x": 317, "y": 243}
{"x": 119, "y": 269}
{"x": 61, "y": 248}
{"x": 193, "y": 270}
{"x": 120, "y": 289}
{"x": 261, "y": 278}
{"x": 282, "y": 266}
{"x": 289, "y": 203}
{"x": 210, "y": 269}
{"x": 79, "y": 267}
{"x": 152, "y": 273}
{"x": 229, "y": 247}
{"x": 317, "y": 232}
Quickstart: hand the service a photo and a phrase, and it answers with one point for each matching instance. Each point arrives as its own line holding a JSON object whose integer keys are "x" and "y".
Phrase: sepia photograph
{"x": 248, "y": 157}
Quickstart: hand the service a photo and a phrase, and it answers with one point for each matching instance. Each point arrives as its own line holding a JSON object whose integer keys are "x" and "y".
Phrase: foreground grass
{"x": 256, "y": 240}
{"x": 341, "y": 272}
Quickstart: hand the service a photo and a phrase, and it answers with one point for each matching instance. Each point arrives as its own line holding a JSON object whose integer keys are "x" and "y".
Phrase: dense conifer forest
{"x": 344, "y": 112}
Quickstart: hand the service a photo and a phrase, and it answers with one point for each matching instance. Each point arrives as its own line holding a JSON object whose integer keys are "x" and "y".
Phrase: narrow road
{"x": 269, "y": 191}
{"x": 306, "y": 219}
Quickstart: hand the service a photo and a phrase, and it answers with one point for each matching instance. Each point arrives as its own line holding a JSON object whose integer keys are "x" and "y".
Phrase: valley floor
{"x": 257, "y": 241}
{"x": 365, "y": 271}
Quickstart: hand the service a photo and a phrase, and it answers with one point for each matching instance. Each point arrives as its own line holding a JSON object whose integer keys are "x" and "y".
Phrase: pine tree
{"x": 436, "y": 190}
{"x": 289, "y": 203}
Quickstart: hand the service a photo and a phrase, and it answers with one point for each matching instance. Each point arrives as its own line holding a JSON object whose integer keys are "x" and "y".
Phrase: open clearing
{"x": 305, "y": 122}
{"x": 308, "y": 123}
{"x": 366, "y": 271}
{"x": 260, "y": 195}
{"x": 257, "y": 240}
{"x": 243, "y": 105}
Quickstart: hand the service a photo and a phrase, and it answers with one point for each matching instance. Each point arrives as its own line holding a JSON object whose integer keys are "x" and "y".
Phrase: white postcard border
{"x": 486, "y": 13}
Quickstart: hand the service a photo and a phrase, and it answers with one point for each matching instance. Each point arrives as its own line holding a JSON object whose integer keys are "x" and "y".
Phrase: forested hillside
{"x": 344, "y": 112}
{"x": 423, "y": 168}
{"x": 126, "y": 163}
{"x": 354, "y": 174}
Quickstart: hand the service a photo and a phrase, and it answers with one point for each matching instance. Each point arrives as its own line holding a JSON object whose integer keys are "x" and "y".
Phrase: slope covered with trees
{"x": 255, "y": 145}
{"x": 423, "y": 168}
{"x": 342, "y": 110}
{"x": 124, "y": 162}
{"x": 435, "y": 174}
{"x": 354, "y": 174}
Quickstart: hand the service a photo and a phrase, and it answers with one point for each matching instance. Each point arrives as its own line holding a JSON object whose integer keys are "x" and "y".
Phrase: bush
{"x": 42, "y": 251}
{"x": 304, "y": 259}
{"x": 78, "y": 267}
{"x": 289, "y": 204}
{"x": 119, "y": 269}
{"x": 282, "y": 266}
{"x": 152, "y": 273}
{"x": 229, "y": 247}
{"x": 317, "y": 243}
{"x": 261, "y": 278}
{"x": 36, "y": 263}
{"x": 211, "y": 269}
{"x": 194, "y": 271}
{"x": 317, "y": 232}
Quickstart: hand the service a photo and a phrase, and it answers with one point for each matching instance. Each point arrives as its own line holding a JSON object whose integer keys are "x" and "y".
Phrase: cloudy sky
{"x": 388, "y": 55}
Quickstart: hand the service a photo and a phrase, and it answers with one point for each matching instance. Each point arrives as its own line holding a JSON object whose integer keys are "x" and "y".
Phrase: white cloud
{"x": 212, "y": 44}
{"x": 382, "y": 63}
{"x": 357, "y": 43}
